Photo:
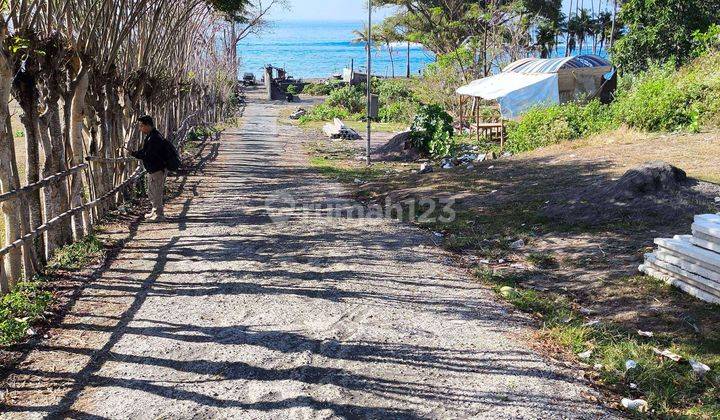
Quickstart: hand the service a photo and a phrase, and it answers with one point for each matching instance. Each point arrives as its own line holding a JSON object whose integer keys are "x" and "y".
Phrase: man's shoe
{"x": 150, "y": 215}
{"x": 157, "y": 218}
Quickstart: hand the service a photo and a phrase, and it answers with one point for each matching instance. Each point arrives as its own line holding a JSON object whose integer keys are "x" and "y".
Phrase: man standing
{"x": 154, "y": 157}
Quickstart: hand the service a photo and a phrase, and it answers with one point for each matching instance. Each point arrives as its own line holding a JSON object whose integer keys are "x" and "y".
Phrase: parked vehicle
{"x": 249, "y": 79}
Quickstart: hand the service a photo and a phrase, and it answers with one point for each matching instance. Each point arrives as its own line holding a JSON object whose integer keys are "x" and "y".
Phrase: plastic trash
{"x": 585, "y": 355}
{"x": 519, "y": 244}
{"x": 667, "y": 353}
{"x": 701, "y": 369}
{"x": 641, "y": 406}
{"x": 630, "y": 364}
{"x": 509, "y": 292}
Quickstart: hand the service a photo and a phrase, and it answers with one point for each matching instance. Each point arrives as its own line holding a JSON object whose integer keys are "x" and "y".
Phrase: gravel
{"x": 222, "y": 313}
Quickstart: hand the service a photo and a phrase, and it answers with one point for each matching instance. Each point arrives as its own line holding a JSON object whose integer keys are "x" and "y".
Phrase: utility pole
{"x": 369, "y": 80}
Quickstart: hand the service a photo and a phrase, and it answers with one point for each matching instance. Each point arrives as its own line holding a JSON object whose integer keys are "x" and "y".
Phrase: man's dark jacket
{"x": 153, "y": 153}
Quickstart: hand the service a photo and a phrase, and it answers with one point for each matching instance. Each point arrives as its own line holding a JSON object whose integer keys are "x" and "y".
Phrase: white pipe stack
{"x": 690, "y": 262}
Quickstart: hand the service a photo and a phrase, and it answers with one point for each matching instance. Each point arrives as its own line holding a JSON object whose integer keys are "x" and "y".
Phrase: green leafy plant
{"x": 401, "y": 112}
{"x": 655, "y": 101}
{"x": 350, "y": 98}
{"x": 293, "y": 90}
{"x": 77, "y": 254}
{"x": 20, "y": 308}
{"x": 324, "y": 112}
{"x": 543, "y": 126}
{"x": 432, "y": 131}
{"x": 321, "y": 89}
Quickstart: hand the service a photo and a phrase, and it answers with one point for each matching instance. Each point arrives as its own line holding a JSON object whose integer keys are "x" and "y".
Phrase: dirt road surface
{"x": 229, "y": 311}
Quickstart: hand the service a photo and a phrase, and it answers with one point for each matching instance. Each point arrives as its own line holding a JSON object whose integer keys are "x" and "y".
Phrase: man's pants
{"x": 156, "y": 190}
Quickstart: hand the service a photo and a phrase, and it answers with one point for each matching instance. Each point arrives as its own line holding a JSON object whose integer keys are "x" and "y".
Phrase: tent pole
{"x": 477, "y": 119}
{"x": 462, "y": 114}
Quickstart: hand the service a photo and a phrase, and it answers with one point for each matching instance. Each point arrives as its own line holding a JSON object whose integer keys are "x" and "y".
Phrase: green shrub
{"x": 390, "y": 91}
{"x": 20, "y": 308}
{"x": 401, "y": 112}
{"x": 324, "y": 112}
{"x": 432, "y": 131}
{"x": 321, "y": 89}
{"x": 654, "y": 101}
{"x": 543, "y": 126}
{"x": 293, "y": 90}
{"x": 78, "y": 254}
{"x": 351, "y": 98}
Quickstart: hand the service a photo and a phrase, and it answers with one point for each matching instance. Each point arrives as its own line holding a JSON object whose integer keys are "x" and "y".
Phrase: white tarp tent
{"x": 515, "y": 92}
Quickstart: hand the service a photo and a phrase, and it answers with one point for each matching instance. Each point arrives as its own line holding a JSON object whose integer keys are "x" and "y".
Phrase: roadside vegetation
{"x": 578, "y": 281}
{"x": 29, "y": 304}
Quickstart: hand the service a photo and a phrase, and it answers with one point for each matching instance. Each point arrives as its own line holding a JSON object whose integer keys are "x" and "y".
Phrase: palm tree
{"x": 603, "y": 25}
{"x": 586, "y": 25}
{"x": 574, "y": 31}
{"x": 546, "y": 37}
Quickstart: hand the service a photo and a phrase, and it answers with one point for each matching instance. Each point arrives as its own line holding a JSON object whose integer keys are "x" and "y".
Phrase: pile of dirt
{"x": 654, "y": 190}
{"x": 398, "y": 149}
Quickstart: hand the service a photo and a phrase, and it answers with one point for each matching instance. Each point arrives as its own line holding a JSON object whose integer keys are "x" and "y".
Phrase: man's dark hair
{"x": 147, "y": 120}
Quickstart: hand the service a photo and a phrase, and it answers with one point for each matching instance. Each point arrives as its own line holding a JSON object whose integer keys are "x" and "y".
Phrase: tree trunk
{"x": 81, "y": 225}
{"x": 408, "y": 60}
{"x": 13, "y": 261}
{"x": 28, "y": 97}
{"x": 58, "y": 163}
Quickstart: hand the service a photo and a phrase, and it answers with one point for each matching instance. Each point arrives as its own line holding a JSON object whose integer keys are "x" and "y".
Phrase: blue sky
{"x": 337, "y": 10}
{"x": 353, "y": 10}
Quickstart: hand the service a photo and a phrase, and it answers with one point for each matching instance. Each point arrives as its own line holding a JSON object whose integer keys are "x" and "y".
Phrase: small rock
{"x": 585, "y": 355}
{"x": 700, "y": 369}
{"x": 470, "y": 167}
{"x": 517, "y": 245}
{"x": 633, "y": 386}
{"x": 591, "y": 323}
{"x": 358, "y": 181}
{"x": 491, "y": 166}
{"x": 630, "y": 364}
{"x": 646, "y": 333}
{"x": 598, "y": 366}
{"x": 641, "y": 406}
{"x": 506, "y": 154}
{"x": 717, "y": 200}
{"x": 426, "y": 168}
{"x": 30, "y": 332}
{"x": 481, "y": 158}
{"x": 438, "y": 234}
{"x": 501, "y": 261}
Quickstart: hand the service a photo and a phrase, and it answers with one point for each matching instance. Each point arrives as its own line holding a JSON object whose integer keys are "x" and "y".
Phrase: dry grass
{"x": 625, "y": 148}
{"x": 588, "y": 267}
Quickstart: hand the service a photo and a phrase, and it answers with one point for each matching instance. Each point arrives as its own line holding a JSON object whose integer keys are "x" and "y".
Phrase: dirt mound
{"x": 654, "y": 190}
{"x": 398, "y": 149}
{"x": 650, "y": 178}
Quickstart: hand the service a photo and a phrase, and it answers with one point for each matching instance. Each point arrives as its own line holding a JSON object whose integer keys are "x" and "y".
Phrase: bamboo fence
{"x": 96, "y": 200}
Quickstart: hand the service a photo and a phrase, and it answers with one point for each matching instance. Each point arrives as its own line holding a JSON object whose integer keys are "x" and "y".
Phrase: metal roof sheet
{"x": 553, "y": 65}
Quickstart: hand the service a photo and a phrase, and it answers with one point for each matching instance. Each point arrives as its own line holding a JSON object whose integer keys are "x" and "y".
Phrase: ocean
{"x": 309, "y": 49}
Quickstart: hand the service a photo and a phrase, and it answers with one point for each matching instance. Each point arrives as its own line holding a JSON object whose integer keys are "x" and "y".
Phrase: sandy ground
{"x": 240, "y": 307}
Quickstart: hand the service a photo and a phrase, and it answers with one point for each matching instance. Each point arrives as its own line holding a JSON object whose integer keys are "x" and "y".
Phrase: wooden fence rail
{"x": 116, "y": 169}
